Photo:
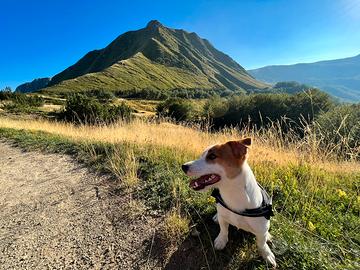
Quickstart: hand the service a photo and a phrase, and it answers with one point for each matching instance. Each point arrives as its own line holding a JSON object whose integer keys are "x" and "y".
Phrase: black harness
{"x": 265, "y": 210}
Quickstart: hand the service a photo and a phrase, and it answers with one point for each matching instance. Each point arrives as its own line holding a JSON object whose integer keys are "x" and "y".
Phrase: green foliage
{"x": 290, "y": 87}
{"x": 153, "y": 94}
{"x": 340, "y": 127}
{"x": 176, "y": 108}
{"x": 200, "y": 93}
{"x": 27, "y": 101}
{"x": 20, "y": 102}
{"x": 263, "y": 109}
{"x": 82, "y": 109}
{"x": 156, "y": 94}
{"x": 283, "y": 87}
{"x": 6, "y": 93}
{"x": 101, "y": 94}
{"x": 215, "y": 107}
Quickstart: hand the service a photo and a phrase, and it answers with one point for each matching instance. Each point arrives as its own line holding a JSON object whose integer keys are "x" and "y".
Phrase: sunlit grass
{"x": 268, "y": 146}
{"x": 316, "y": 197}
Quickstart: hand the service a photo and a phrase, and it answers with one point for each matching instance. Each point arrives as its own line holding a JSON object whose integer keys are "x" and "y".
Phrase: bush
{"x": 262, "y": 109}
{"x": 178, "y": 109}
{"x": 27, "y": 101}
{"x": 82, "y": 109}
{"x": 153, "y": 94}
{"x": 101, "y": 94}
{"x": 216, "y": 107}
{"x": 6, "y": 93}
{"x": 20, "y": 102}
{"x": 290, "y": 87}
{"x": 339, "y": 129}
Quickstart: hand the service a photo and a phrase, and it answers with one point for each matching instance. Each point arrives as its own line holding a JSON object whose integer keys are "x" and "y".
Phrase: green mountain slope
{"x": 340, "y": 78}
{"x": 155, "y": 57}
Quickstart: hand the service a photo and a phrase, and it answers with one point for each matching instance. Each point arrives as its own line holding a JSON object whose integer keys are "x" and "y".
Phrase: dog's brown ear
{"x": 246, "y": 141}
{"x": 238, "y": 148}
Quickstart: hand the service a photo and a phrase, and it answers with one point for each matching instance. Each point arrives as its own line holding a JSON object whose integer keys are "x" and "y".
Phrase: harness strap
{"x": 265, "y": 210}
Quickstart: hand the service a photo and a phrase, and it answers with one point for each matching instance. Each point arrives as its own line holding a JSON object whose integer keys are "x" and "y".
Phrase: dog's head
{"x": 218, "y": 163}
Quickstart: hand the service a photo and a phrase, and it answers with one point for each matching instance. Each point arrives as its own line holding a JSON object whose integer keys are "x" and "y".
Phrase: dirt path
{"x": 55, "y": 214}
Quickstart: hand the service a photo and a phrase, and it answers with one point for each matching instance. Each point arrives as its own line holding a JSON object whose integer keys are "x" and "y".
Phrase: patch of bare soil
{"x": 55, "y": 214}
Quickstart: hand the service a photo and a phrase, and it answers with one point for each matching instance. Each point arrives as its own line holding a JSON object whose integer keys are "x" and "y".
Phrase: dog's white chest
{"x": 238, "y": 221}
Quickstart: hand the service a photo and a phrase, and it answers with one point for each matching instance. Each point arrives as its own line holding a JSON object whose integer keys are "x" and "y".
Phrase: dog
{"x": 225, "y": 167}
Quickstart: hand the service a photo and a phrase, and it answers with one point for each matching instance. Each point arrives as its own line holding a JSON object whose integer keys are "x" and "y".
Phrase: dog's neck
{"x": 242, "y": 192}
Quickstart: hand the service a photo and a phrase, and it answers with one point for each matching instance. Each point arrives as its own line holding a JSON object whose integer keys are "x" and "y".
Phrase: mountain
{"x": 340, "y": 78}
{"x": 33, "y": 86}
{"x": 155, "y": 57}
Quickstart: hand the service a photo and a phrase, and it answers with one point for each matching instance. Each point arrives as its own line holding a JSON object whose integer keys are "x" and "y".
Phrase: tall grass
{"x": 271, "y": 144}
{"x": 316, "y": 196}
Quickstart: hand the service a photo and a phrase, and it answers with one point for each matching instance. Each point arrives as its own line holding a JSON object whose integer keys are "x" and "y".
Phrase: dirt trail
{"x": 55, "y": 214}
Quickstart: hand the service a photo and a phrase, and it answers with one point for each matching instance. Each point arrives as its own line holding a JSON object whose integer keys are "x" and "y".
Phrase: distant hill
{"x": 340, "y": 78}
{"x": 33, "y": 86}
{"x": 155, "y": 57}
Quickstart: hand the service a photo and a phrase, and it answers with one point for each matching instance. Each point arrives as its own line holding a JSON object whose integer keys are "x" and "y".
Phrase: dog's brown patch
{"x": 230, "y": 156}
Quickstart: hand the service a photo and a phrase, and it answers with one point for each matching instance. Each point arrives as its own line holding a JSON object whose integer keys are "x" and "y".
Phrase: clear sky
{"x": 39, "y": 38}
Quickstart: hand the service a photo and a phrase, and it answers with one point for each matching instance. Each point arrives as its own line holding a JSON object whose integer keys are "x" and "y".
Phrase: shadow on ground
{"x": 197, "y": 252}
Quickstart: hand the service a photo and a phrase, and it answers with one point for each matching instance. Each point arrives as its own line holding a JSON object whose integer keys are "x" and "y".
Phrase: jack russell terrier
{"x": 241, "y": 201}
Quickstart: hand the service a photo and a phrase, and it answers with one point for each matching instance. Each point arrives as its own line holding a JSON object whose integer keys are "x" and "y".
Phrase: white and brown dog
{"x": 224, "y": 167}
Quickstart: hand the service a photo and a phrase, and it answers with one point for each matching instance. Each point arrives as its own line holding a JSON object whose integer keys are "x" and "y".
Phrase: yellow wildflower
{"x": 311, "y": 226}
{"x": 341, "y": 193}
{"x": 211, "y": 199}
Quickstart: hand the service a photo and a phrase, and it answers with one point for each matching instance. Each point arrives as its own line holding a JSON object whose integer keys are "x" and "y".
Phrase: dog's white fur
{"x": 239, "y": 193}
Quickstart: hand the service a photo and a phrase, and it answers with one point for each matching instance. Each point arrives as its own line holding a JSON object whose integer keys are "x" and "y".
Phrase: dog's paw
{"x": 220, "y": 242}
{"x": 269, "y": 257}
{"x": 215, "y": 219}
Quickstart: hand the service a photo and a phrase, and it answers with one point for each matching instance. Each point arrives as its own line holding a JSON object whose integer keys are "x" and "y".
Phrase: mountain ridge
{"x": 338, "y": 77}
{"x": 32, "y": 86}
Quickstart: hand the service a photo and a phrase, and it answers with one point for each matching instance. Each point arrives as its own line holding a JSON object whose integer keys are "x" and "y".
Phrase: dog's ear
{"x": 238, "y": 148}
{"x": 246, "y": 141}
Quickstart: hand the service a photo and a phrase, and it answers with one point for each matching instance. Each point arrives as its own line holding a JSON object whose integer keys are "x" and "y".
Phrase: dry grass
{"x": 50, "y": 108}
{"x": 268, "y": 147}
{"x": 176, "y": 225}
{"x": 125, "y": 167}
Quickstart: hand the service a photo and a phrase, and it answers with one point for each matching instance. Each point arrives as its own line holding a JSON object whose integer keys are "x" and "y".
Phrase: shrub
{"x": 153, "y": 94}
{"x": 178, "y": 109}
{"x": 27, "y": 101}
{"x": 20, "y": 102}
{"x": 339, "y": 129}
{"x": 290, "y": 87}
{"x": 6, "y": 93}
{"x": 101, "y": 94}
{"x": 262, "y": 109}
{"x": 82, "y": 109}
{"x": 216, "y": 107}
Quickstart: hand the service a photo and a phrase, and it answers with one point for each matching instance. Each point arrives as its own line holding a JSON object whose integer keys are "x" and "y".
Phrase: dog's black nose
{"x": 185, "y": 168}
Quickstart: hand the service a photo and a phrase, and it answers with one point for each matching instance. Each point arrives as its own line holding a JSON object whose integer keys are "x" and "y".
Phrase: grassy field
{"x": 317, "y": 199}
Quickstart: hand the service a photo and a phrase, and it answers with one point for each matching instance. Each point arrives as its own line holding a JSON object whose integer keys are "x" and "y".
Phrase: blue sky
{"x": 40, "y": 38}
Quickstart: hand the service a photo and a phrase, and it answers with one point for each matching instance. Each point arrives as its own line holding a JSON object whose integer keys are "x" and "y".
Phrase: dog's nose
{"x": 185, "y": 168}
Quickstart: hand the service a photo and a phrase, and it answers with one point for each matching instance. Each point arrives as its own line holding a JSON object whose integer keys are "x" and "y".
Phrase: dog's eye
{"x": 212, "y": 156}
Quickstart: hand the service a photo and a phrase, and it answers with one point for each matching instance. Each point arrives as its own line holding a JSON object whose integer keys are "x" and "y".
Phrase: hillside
{"x": 33, "y": 85}
{"x": 155, "y": 57}
{"x": 340, "y": 78}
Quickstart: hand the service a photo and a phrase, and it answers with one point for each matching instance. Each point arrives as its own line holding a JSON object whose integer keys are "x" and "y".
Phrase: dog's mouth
{"x": 204, "y": 180}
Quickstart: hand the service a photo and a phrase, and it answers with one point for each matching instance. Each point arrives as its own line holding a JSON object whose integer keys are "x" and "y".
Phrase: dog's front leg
{"x": 264, "y": 249}
{"x": 222, "y": 239}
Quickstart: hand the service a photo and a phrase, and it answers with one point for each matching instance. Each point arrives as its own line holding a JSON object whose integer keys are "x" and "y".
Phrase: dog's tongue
{"x": 203, "y": 181}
